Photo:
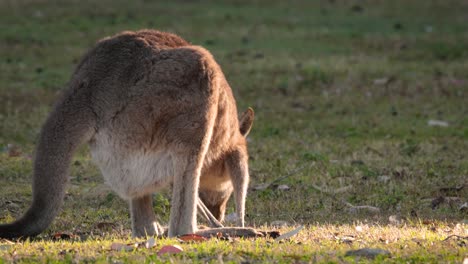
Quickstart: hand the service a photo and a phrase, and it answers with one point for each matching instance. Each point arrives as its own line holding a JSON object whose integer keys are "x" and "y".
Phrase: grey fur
{"x": 155, "y": 111}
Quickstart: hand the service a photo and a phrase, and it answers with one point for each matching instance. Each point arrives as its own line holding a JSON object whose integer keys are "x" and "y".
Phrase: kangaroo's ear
{"x": 245, "y": 121}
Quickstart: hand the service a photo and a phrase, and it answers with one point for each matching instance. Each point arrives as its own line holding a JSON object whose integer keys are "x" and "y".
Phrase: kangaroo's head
{"x": 228, "y": 174}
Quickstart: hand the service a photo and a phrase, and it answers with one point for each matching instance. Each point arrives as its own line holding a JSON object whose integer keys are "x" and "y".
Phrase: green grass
{"x": 342, "y": 89}
{"x": 320, "y": 243}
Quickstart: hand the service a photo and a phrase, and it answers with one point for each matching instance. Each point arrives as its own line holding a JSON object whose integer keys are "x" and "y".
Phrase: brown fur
{"x": 155, "y": 111}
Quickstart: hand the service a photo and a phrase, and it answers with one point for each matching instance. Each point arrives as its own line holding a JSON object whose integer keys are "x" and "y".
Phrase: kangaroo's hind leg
{"x": 143, "y": 218}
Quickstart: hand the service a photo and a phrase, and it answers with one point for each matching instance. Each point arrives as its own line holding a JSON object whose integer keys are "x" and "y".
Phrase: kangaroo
{"x": 156, "y": 111}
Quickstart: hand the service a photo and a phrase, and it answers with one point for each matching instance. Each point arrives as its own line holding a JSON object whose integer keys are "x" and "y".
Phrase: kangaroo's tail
{"x": 70, "y": 124}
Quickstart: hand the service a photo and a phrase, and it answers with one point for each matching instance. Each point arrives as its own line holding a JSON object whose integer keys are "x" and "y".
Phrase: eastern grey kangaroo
{"x": 156, "y": 111}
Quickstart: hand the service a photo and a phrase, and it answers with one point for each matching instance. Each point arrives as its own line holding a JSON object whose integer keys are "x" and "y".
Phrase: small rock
{"x": 395, "y": 219}
{"x": 370, "y": 253}
{"x": 279, "y": 223}
{"x": 150, "y": 243}
{"x": 122, "y": 247}
{"x": 360, "y": 228}
{"x": 283, "y": 187}
{"x": 384, "y": 178}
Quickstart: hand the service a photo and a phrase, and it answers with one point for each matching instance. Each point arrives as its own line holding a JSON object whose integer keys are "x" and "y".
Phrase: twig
{"x": 352, "y": 208}
{"x": 457, "y": 236}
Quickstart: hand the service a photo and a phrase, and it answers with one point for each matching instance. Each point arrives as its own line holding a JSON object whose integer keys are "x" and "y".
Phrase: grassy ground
{"x": 344, "y": 92}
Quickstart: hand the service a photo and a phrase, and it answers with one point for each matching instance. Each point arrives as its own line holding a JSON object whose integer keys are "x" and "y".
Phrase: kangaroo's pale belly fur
{"x": 131, "y": 173}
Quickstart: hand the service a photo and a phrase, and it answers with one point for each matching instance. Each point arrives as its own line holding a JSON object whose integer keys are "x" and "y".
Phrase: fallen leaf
{"x": 283, "y": 187}
{"x": 360, "y": 208}
{"x": 261, "y": 187}
{"x": 192, "y": 238}
{"x": 124, "y": 247}
{"x": 150, "y": 243}
{"x": 347, "y": 239}
{"x": 384, "y": 81}
{"x": 13, "y": 150}
{"x": 63, "y": 236}
{"x": 438, "y": 123}
{"x": 359, "y": 229}
{"x": 289, "y": 234}
{"x": 5, "y": 247}
{"x": 368, "y": 252}
{"x": 343, "y": 189}
{"x": 170, "y": 250}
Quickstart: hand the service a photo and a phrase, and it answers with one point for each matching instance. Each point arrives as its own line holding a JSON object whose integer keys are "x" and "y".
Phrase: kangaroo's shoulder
{"x": 145, "y": 38}
{"x": 155, "y": 44}
{"x": 135, "y": 52}
{"x": 128, "y": 48}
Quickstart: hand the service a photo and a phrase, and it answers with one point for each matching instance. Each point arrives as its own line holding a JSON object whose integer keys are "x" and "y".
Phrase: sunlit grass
{"x": 320, "y": 243}
{"x": 343, "y": 93}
